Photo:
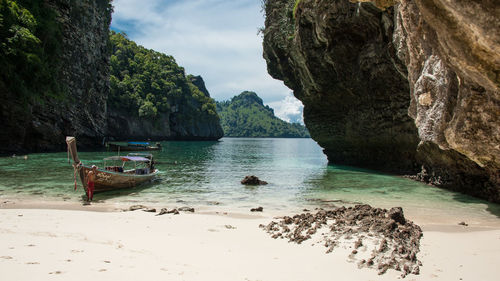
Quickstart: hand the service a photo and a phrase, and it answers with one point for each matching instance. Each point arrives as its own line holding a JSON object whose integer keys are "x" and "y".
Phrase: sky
{"x": 217, "y": 39}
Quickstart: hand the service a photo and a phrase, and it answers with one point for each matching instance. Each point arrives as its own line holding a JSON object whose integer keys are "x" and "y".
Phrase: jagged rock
{"x": 451, "y": 53}
{"x": 396, "y": 214}
{"x": 252, "y": 180}
{"x": 395, "y": 247}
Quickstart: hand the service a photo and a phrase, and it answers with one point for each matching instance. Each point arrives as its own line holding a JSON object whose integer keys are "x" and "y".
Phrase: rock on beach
{"x": 252, "y": 180}
{"x": 381, "y": 239}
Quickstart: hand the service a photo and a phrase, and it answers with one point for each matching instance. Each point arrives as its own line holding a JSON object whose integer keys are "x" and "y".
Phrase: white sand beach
{"x": 49, "y": 244}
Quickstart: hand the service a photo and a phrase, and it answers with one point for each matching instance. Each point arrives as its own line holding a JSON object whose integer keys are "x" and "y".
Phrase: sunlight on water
{"x": 208, "y": 173}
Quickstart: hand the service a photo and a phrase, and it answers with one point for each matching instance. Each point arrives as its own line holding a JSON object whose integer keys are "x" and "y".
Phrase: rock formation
{"x": 166, "y": 126}
{"x": 362, "y": 72}
{"x": 42, "y": 125}
{"x": 339, "y": 59}
{"x": 452, "y": 52}
{"x": 199, "y": 83}
{"x": 381, "y": 239}
{"x": 252, "y": 180}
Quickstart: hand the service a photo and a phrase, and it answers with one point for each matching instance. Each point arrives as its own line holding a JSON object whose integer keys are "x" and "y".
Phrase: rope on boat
{"x": 76, "y": 167}
{"x": 74, "y": 175}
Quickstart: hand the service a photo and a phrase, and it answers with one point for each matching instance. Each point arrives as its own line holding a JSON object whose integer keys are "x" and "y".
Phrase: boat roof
{"x": 128, "y": 158}
{"x": 138, "y": 143}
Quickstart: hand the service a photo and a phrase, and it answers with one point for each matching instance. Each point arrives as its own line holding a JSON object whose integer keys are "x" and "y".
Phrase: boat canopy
{"x": 127, "y": 158}
{"x": 137, "y": 143}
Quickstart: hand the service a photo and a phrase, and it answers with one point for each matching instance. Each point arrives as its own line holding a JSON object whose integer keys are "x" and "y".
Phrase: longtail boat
{"x": 134, "y": 146}
{"x": 114, "y": 177}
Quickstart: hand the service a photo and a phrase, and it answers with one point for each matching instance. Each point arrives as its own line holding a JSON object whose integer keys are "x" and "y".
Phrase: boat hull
{"x": 107, "y": 180}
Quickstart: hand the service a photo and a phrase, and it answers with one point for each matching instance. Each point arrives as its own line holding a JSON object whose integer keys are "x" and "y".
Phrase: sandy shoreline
{"x": 67, "y": 241}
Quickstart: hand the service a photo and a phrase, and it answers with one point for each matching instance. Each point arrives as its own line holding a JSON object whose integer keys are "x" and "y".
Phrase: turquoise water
{"x": 209, "y": 174}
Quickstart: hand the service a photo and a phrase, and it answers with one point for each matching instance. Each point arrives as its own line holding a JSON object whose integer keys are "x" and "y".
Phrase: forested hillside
{"x": 151, "y": 96}
{"x": 246, "y": 116}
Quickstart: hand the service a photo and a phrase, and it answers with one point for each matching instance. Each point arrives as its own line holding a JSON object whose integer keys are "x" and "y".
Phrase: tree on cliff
{"x": 29, "y": 47}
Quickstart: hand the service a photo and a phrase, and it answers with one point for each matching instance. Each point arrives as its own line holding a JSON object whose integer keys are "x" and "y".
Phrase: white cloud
{"x": 213, "y": 38}
{"x": 289, "y": 109}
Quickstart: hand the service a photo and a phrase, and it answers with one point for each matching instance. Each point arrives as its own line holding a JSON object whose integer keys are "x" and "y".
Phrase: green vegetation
{"x": 30, "y": 46}
{"x": 295, "y": 8}
{"x": 146, "y": 83}
{"x": 246, "y": 116}
{"x": 282, "y": 29}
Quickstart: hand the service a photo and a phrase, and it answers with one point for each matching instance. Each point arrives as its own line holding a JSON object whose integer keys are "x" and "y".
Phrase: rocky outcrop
{"x": 381, "y": 239}
{"x": 452, "y": 52}
{"x": 122, "y": 126}
{"x": 362, "y": 71}
{"x": 86, "y": 72}
{"x": 199, "y": 83}
{"x": 339, "y": 59}
{"x": 252, "y": 180}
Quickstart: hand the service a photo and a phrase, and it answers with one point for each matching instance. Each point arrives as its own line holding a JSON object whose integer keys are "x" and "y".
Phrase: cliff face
{"x": 452, "y": 52}
{"x": 339, "y": 59}
{"x": 83, "y": 78}
{"x": 178, "y": 124}
{"x": 86, "y": 69}
{"x": 169, "y": 126}
{"x": 362, "y": 71}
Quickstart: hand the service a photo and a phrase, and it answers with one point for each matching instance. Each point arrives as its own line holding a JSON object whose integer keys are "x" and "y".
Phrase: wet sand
{"x": 67, "y": 241}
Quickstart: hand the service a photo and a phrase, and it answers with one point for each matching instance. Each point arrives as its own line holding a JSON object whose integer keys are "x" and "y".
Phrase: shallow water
{"x": 209, "y": 173}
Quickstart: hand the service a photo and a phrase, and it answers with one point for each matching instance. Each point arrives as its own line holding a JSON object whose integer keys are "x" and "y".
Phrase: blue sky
{"x": 213, "y": 38}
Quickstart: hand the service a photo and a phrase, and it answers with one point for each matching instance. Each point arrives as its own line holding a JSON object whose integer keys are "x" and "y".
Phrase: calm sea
{"x": 209, "y": 174}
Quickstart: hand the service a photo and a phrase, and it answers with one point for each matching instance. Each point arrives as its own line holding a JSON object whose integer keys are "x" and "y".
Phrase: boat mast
{"x": 71, "y": 141}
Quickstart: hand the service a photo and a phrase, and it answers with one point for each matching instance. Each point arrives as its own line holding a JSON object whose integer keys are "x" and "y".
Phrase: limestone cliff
{"x": 179, "y": 123}
{"x": 452, "y": 52}
{"x": 362, "y": 71}
{"x": 82, "y": 75}
{"x": 339, "y": 59}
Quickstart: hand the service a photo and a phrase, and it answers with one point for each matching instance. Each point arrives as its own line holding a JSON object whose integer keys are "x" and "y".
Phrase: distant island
{"x": 245, "y": 115}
